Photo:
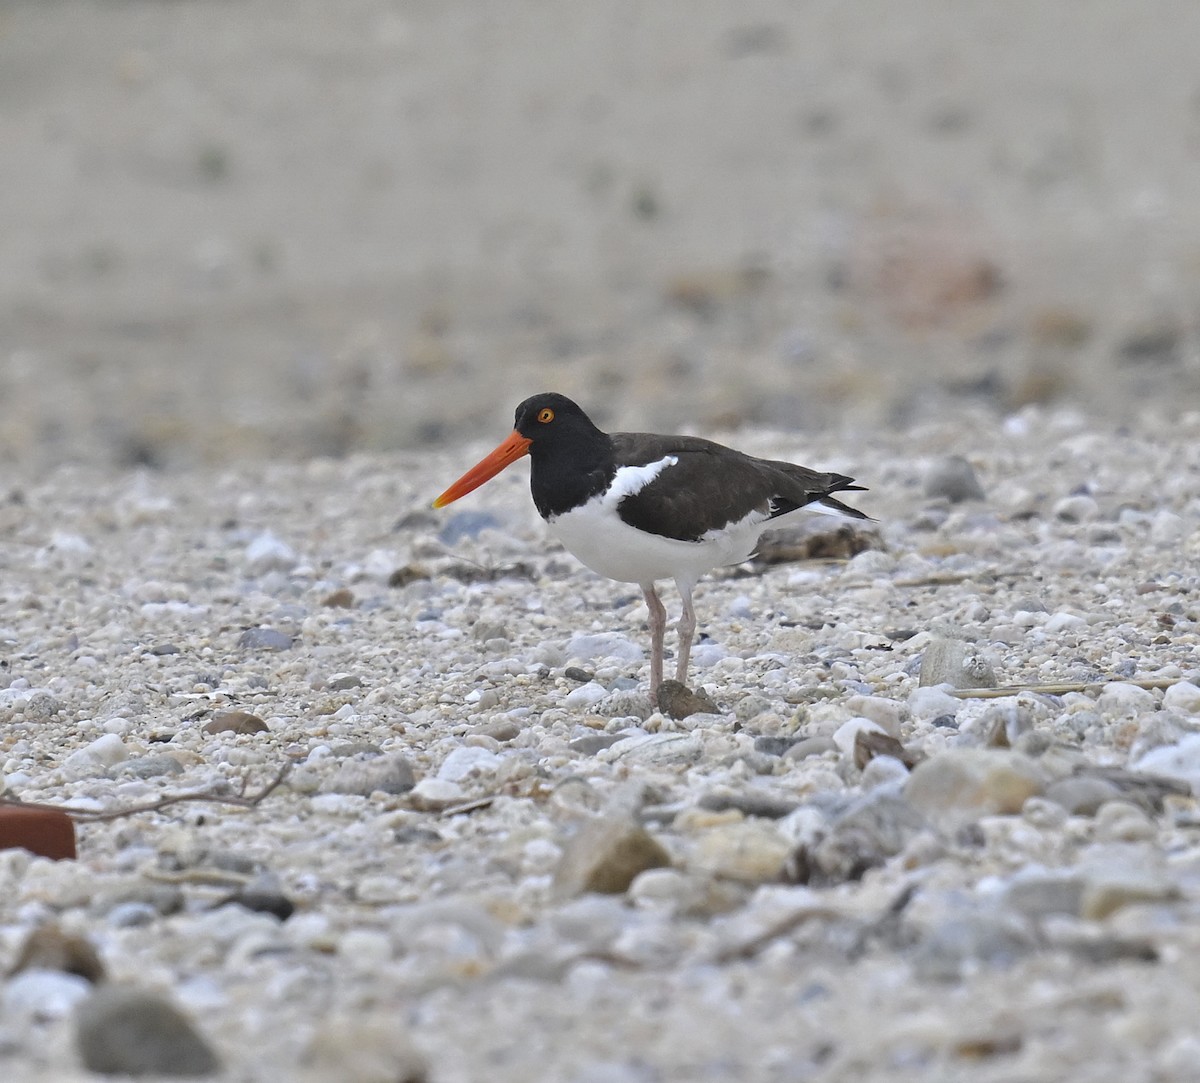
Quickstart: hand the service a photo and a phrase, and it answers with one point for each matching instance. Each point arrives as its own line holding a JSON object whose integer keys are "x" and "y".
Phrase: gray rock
{"x": 151, "y": 767}
{"x": 751, "y": 801}
{"x": 952, "y": 946}
{"x": 1042, "y": 892}
{"x": 1081, "y": 795}
{"x": 388, "y": 774}
{"x": 870, "y": 831}
{"x": 265, "y": 639}
{"x": 954, "y": 479}
{"x": 958, "y": 664}
{"x": 120, "y": 1030}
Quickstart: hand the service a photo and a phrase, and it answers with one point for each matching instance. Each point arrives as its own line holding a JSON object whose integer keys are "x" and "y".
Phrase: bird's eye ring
{"x": 545, "y": 415}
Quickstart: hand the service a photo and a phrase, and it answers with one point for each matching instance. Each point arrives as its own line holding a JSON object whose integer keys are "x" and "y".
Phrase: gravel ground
{"x": 844, "y": 872}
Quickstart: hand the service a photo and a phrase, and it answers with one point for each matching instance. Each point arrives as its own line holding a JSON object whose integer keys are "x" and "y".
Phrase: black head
{"x": 552, "y": 421}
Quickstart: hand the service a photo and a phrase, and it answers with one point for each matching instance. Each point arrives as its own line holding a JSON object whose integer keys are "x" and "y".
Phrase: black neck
{"x": 564, "y": 476}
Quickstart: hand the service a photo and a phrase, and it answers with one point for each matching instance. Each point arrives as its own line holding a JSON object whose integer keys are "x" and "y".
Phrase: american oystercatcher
{"x": 638, "y": 508}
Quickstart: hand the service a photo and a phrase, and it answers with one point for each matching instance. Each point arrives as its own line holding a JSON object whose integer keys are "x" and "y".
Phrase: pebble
{"x": 751, "y": 851}
{"x": 106, "y": 751}
{"x": 1179, "y": 761}
{"x": 677, "y": 701}
{"x": 660, "y": 749}
{"x": 267, "y": 553}
{"x": 586, "y": 695}
{"x": 235, "y": 722}
{"x": 372, "y": 1049}
{"x": 385, "y": 774}
{"x": 611, "y": 645}
{"x": 121, "y": 1030}
{"x": 50, "y": 948}
{"x": 953, "y": 478}
{"x": 265, "y": 639}
{"x": 1182, "y": 696}
{"x": 467, "y": 762}
{"x": 605, "y": 855}
{"x": 43, "y": 995}
{"x": 978, "y": 781}
{"x": 434, "y": 794}
{"x": 955, "y": 663}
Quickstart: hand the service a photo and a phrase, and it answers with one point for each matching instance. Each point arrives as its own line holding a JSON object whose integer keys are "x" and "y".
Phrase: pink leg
{"x": 687, "y": 629}
{"x": 658, "y": 625}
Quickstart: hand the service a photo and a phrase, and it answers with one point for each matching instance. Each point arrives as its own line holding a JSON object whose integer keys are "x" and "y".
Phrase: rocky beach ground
{"x": 490, "y": 858}
{"x": 274, "y": 273}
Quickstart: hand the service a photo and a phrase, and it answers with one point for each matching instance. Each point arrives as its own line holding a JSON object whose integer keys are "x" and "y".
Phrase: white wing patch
{"x": 630, "y": 480}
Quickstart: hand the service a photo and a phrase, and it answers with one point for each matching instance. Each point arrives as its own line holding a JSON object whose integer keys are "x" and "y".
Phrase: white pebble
{"x": 466, "y": 761}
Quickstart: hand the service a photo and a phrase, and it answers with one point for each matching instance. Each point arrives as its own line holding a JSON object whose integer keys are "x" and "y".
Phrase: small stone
{"x": 467, "y": 761}
{"x": 930, "y": 703}
{"x": 267, "y": 553}
{"x": 605, "y": 855}
{"x": 235, "y": 722}
{"x": 49, "y": 948}
{"x": 1178, "y": 761}
{"x": 106, "y": 751}
{"x": 1120, "y": 875}
{"x": 265, "y": 639}
{"x": 677, "y": 701}
{"x": 1120, "y": 821}
{"x": 120, "y": 1030}
{"x": 624, "y": 703}
{"x": 873, "y": 829}
{"x": 1076, "y": 509}
{"x": 342, "y": 682}
{"x": 955, "y": 945}
{"x": 42, "y": 995}
{"x": 353, "y": 1049}
{"x": 958, "y": 664}
{"x": 435, "y": 794}
{"x": 748, "y": 851}
{"x": 809, "y": 746}
{"x": 591, "y": 743}
{"x": 1167, "y": 528}
{"x": 342, "y": 598}
{"x": 500, "y": 729}
{"x": 978, "y": 781}
{"x": 152, "y": 767}
{"x": 751, "y": 802}
{"x": 1081, "y": 795}
{"x": 586, "y": 695}
{"x": 954, "y": 479}
{"x": 1119, "y": 697}
{"x": 1038, "y": 893}
{"x": 604, "y": 645}
{"x": 387, "y": 774}
{"x": 1182, "y": 696}
{"x": 263, "y": 896}
{"x": 659, "y": 749}
{"x": 576, "y": 673}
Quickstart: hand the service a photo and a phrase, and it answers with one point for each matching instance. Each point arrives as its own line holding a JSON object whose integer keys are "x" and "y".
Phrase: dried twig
{"x": 242, "y": 800}
{"x": 1058, "y": 689}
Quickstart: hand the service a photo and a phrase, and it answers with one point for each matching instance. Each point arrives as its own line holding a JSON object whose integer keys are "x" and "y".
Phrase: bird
{"x": 641, "y": 507}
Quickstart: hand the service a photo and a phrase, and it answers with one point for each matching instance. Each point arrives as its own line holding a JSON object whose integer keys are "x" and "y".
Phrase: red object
{"x": 44, "y": 832}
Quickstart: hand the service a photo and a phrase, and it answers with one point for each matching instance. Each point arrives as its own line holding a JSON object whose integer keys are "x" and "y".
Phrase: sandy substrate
{"x": 1022, "y": 905}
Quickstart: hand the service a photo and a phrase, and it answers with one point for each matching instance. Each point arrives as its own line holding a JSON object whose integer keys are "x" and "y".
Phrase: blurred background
{"x": 268, "y": 228}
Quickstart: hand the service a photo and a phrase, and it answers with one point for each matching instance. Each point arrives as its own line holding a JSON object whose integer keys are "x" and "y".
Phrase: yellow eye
{"x": 545, "y": 415}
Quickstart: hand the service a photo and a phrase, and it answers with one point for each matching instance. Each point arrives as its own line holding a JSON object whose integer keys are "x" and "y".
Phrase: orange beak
{"x": 514, "y": 448}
